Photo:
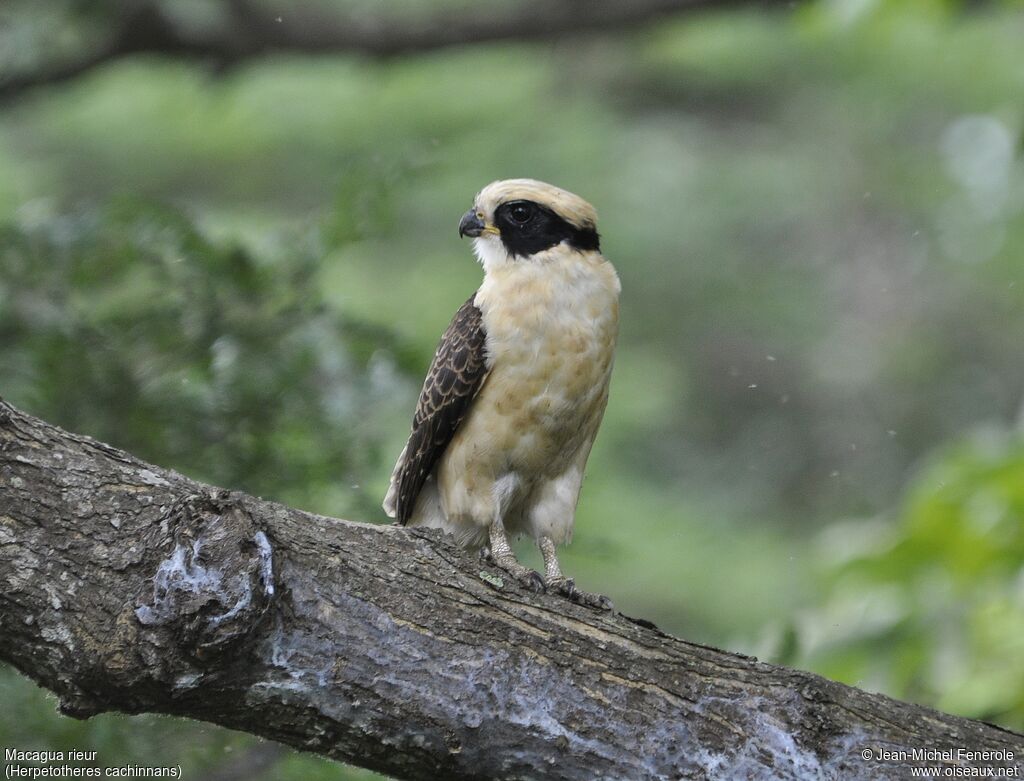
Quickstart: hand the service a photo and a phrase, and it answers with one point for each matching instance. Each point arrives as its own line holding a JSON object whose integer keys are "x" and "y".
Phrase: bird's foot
{"x": 526, "y": 577}
{"x": 567, "y": 588}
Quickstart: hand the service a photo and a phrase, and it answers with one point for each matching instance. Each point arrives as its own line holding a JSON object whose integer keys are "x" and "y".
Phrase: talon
{"x": 564, "y": 586}
{"x": 535, "y": 582}
{"x": 604, "y": 603}
{"x": 594, "y": 601}
{"x": 567, "y": 588}
{"x": 503, "y": 558}
{"x": 527, "y": 578}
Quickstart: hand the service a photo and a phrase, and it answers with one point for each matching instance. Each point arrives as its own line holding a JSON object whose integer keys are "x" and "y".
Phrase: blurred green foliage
{"x": 931, "y": 607}
{"x": 819, "y": 222}
{"x": 132, "y": 326}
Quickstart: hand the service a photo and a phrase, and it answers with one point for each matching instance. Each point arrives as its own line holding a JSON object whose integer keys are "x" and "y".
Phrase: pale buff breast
{"x": 551, "y": 328}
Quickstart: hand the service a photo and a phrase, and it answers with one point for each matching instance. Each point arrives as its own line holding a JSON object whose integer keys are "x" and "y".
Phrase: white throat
{"x": 490, "y": 252}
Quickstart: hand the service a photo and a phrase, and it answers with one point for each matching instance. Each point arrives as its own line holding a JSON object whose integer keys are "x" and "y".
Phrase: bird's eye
{"x": 520, "y": 212}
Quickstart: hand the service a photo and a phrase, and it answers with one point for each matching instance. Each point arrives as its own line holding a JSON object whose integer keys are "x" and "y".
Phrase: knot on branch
{"x": 217, "y": 582}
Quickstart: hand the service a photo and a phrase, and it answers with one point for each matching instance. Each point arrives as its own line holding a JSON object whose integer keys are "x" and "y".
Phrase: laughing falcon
{"x": 517, "y": 388}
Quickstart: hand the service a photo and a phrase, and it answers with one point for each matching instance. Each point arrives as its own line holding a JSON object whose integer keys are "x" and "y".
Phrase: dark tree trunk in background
{"x": 128, "y": 587}
{"x": 251, "y": 29}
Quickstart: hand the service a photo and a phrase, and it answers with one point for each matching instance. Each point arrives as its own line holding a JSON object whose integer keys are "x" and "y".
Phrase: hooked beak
{"x": 470, "y": 224}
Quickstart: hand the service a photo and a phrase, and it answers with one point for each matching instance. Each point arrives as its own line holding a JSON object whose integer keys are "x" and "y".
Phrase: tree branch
{"x": 253, "y": 32}
{"x": 128, "y": 587}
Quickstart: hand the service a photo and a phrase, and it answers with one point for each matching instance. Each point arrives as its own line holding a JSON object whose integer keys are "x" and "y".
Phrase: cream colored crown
{"x": 565, "y": 204}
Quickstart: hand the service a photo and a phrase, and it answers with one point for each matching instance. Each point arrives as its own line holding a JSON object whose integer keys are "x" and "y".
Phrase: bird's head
{"x": 516, "y": 219}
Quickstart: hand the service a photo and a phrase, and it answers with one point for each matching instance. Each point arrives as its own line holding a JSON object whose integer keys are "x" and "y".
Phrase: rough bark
{"x": 250, "y": 29}
{"x": 128, "y": 587}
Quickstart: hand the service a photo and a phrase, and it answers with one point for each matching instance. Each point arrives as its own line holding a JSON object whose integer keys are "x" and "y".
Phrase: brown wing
{"x": 453, "y": 381}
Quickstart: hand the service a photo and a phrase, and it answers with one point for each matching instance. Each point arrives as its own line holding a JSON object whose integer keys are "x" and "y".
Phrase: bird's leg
{"x": 553, "y": 576}
{"x": 502, "y": 555}
{"x": 556, "y": 581}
